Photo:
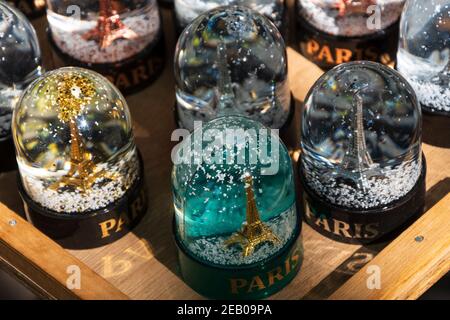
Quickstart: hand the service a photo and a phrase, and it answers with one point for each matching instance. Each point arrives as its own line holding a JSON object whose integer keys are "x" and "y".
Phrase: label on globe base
{"x": 359, "y": 226}
{"x": 328, "y": 51}
{"x": 8, "y": 154}
{"x": 31, "y": 8}
{"x": 130, "y": 75}
{"x": 91, "y": 229}
{"x": 255, "y": 281}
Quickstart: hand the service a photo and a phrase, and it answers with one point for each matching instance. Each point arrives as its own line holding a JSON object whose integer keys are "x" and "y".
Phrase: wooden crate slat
{"x": 45, "y": 263}
{"x": 410, "y": 264}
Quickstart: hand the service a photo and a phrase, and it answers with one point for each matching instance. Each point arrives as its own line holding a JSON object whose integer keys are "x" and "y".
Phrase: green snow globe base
{"x": 236, "y": 221}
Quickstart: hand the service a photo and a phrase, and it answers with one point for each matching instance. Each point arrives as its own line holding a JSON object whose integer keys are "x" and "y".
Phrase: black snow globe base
{"x": 328, "y": 51}
{"x": 130, "y": 75}
{"x": 433, "y": 112}
{"x": 31, "y": 8}
{"x": 360, "y": 226}
{"x": 256, "y": 281}
{"x": 90, "y": 229}
{"x": 8, "y": 155}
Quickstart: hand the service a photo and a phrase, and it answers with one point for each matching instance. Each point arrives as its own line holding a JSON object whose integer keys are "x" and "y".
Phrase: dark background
{"x": 12, "y": 288}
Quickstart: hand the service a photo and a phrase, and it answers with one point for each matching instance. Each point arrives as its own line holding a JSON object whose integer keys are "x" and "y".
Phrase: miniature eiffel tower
{"x": 109, "y": 27}
{"x": 444, "y": 76}
{"x": 225, "y": 95}
{"x": 254, "y": 231}
{"x": 83, "y": 172}
{"x": 357, "y": 158}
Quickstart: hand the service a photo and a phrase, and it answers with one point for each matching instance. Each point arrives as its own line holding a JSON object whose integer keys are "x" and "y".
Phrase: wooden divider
{"x": 46, "y": 266}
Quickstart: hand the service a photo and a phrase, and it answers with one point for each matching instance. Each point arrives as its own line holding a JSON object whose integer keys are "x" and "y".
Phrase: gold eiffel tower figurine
{"x": 74, "y": 92}
{"x": 254, "y": 231}
{"x": 109, "y": 26}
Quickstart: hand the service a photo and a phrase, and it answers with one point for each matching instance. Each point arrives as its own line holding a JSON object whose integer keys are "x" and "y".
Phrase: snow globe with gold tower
{"x": 236, "y": 225}
{"x": 81, "y": 176}
{"x": 121, "y": 39}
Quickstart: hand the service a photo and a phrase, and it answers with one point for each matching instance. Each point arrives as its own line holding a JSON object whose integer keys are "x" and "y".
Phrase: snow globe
{"x": 232, "y": 60}
{"x": 361, "y": 167}
{"x": 424, "y": 52}
{"x": 31, "y": 8}
{"x": 120, "y": 39}
{"x": 187, "y": 10}
{"x": 331, "y": 32}
{"x": 81, "y": 177}
{"x": 236, "y": 220}
{"x": 20, "y": 63}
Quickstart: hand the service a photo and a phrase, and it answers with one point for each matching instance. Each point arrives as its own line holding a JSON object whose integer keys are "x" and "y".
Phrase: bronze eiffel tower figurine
{"x": 109, "y": 27}
{"x": 254, "y": 231}
{"x": 74, "y": 92}
{"x": 353, "y": 6}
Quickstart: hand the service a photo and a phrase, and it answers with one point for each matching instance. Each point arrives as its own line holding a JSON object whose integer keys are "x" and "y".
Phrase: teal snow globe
{"x": 236, "y": 220}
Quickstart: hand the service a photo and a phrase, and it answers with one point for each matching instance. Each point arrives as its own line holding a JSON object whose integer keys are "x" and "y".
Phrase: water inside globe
{"x": 232, "y": 60}
{"x": 103, "y": 31}
{"x": 424, "y": 51}
{"x": 74, "y": 142}
{"x": 20, "y": 61}
{"x": 233, "y": 213}
{"x": 350, "y": 18}
{"x": 361, "y": 136}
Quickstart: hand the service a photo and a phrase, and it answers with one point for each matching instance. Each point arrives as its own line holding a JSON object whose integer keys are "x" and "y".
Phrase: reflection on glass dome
{"x": 361, "y": 136}
{"x": 349, "y": 17}
{"x": 236, "y": 207}
{"x": 20, "y": 59}
{"x": 424, "y": 51}
{"x": 187, "y": 10}
{"x": 103, "y": 31}
{"x": 74, "y": 141}
{"x": 232, "y": 60}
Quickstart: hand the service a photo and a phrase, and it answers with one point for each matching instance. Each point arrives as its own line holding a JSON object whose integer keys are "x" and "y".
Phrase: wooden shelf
{"x": 143, "y": 264}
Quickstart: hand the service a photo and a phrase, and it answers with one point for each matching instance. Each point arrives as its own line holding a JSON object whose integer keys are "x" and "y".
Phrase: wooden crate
{"x": 143, "y": 264}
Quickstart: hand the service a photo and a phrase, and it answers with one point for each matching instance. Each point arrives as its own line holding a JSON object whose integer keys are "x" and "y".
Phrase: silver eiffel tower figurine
{"x": 225, "y": 95}
{"x": 357, "y": 158}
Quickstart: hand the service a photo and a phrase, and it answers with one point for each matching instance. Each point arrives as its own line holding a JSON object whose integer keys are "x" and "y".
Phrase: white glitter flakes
{"x": 212, "y": 249}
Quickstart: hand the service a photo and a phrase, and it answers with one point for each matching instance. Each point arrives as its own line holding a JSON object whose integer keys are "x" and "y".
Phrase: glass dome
{"x": 233, "y": 192}
{"x": 350, "y": 18}
{"x": 424, "y": 51}
{"x": 103, "y": 31}
{"x": 187, "y": 10}
{"x": 361, "y": 136}
{"x": 20, "y": 59}
{"x": 74, "y": 142}
{"x": 232, "y": 60}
